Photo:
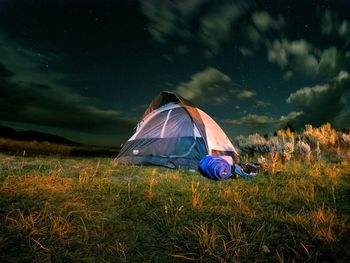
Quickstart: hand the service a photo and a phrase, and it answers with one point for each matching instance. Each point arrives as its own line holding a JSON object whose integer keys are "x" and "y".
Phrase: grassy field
{"x": 89, "y": 210}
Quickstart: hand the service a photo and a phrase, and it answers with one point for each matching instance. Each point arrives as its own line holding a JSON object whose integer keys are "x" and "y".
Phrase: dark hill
{"x": 30, "y": 135}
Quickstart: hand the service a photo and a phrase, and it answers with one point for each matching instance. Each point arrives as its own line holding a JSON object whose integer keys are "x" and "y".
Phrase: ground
{"x": 91, "y": 210}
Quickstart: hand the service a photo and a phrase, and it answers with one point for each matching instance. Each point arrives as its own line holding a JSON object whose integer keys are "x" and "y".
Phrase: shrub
{"x": 325, "y": 134}
{"x": 303, "y": 149}
{"x": 254, "y": 143}
{"x": 285, "y": 133}
{"x": 346, "y": 138}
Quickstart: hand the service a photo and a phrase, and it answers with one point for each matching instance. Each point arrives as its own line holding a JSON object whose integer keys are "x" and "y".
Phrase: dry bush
{"x": 325, "y": 134}
{"x": 303, "y": 150}
{"x": 253, "y": 143}
{"x": 346, "y": 138}
{"x": 277, "y": 153}
{"x": 285, "y": 133}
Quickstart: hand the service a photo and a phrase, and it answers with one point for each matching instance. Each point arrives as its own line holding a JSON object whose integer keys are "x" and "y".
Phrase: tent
{"x": 174, "y": 133}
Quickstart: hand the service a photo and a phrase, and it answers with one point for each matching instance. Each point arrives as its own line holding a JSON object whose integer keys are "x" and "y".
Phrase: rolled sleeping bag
{"x": 215, "y": 167}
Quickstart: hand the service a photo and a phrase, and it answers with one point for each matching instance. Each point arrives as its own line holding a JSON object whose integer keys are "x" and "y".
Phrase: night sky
{"x": 87, "y": 70}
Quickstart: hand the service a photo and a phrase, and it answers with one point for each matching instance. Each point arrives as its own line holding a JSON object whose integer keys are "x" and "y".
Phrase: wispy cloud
{"x": 255, "y": 120}
{"x": 297, "y": 55}
{"x": 264, "y": 21}
{"x": 245, "y": 94}
{"x": 246, "y": 51}
{"x": 332, "y": 25}
{"x": 203, "y": 23}
{"x": 261, "y": 104}
{"x": 33, "y": 93}
{"x": 344, "y": 31}
{"x": 328, "y": 23}
{"x": 302, "y": 57}
{"x": 215, "y": 27}
{"x": 168, "y": 19}
{"x": 288, "y": 75}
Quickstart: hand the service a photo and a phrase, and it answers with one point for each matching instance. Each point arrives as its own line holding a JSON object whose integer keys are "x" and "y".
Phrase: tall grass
{"x": 65, "y": 209}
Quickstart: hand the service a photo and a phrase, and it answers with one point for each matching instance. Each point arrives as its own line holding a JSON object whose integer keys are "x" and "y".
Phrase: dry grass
{"x": 196, "y": 199}
{"x": 322, "y": 224}
{"x": 88, "y": 210}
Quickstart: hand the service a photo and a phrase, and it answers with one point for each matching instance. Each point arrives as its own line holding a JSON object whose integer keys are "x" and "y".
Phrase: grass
{"x": 89, "y": 210}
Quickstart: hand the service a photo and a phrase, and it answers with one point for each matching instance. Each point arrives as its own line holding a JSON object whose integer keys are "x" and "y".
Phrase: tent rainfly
{"x": 174, "y": 133}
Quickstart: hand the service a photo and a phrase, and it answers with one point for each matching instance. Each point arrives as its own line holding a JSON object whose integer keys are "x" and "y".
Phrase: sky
{"x": 87, "y": 70}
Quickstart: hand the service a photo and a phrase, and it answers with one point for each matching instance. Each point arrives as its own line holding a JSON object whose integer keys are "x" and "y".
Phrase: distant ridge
{"x": 30, "y": 135}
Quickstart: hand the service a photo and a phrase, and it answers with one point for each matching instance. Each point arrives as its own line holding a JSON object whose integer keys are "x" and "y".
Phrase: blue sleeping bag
{"x": 215, "y": 167}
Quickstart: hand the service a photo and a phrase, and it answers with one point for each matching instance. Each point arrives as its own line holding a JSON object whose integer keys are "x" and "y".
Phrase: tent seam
{"x": 166, "y": 121}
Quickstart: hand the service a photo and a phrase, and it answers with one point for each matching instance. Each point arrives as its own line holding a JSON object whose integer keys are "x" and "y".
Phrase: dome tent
{"x": 174, "y": 133}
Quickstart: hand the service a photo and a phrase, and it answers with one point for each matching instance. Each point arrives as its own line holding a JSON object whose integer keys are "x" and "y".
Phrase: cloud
{"x": 198, "y": 22}
{"x": 246, "y": 51}
{"x": 321, "y": 103}
{"x": 330, "y": 61}
{"x": 342, "y": 120}
{"x": 252, "y": 119}
{"x": 208, "y": 86}
{"x": 331, "y": 26}
{"x": 261, "y": 104}
{"x": 4, "y": 72}
{"x": 258, "y": 28}
{"x": 278, "y": 54}
{"x": 301, "y": 56}
{"x": 263, "y": 21}
{"x": 253, "y": 35}
{"x": 245, "y": 94}
{"x": 288, "y": 75}
{"x": 31, "y": 93}
{"x": 328, "y": 23}
{"x": 262, "y": 120}
{"x": 168, "y": 19}
{"x": 30, "y": 65}
{"x": 344, "y": 31}
{"x": 263, "y": 124}
{"x": 215, "y": 27}
{"x": 52, "y": 106}
{"x": 344, "y": 28}
{"x": 298, "y": 55}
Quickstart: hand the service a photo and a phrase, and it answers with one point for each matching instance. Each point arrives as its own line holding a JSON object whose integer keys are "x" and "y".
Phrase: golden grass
{"x": 196, "y": 195}
{"x": 34, "y": 183}
{"x": 322, "y": 224}
{"x": 56, "y": 209}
